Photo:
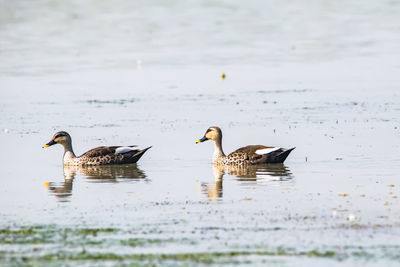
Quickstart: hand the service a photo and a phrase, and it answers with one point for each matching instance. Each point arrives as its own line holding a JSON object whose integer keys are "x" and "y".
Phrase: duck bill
{"x": 52, "y": 142}
{"x": 202, "y": 140}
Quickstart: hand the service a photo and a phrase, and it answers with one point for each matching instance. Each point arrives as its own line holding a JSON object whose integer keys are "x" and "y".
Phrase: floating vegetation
{"x": 46, "y": 235}
{"x": 177, "y": 259}
{"x": 95, "y": 231}
{"x": 140, "y": 242}
{"x": 202, "y": 257}
{"x": 89, "y": 245}
{"x": 121, "y": 101}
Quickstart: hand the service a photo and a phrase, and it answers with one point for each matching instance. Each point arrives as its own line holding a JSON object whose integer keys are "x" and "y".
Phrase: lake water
{"x": 319, "y": 76}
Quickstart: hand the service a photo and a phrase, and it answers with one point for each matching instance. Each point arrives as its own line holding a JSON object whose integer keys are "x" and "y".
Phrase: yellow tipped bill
{"x": 52, "y": 142}
{"x": 202, "y": 139}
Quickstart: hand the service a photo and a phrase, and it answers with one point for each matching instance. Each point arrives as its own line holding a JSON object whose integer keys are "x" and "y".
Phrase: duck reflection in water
{"x": 62, "y": 190}
{"x": 271, "y": 174}
{"x": 101, "y": 173}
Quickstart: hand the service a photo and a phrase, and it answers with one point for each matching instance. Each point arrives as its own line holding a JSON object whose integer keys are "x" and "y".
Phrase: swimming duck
{"x": 248, "y": 155}
{"x": 101, "y": 155}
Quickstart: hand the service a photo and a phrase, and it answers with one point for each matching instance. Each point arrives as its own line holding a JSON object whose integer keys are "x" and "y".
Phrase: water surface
{"x": 322, "y": 77}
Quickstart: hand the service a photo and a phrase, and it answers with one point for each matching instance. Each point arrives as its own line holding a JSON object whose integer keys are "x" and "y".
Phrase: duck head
{"x": 62, "y": 138}
{"x": 213, "y": 133}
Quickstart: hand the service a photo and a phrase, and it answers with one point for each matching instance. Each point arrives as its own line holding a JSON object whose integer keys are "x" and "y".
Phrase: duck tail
{"x": 281, "y": 157}
{"x": 138, "y": 155}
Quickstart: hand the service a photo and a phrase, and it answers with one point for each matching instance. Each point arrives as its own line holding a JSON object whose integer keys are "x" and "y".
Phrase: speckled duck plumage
{"x": 248, "y": 155}
{"x": 103, "y": 155}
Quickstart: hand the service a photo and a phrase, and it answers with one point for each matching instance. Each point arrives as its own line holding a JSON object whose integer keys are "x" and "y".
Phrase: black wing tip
{"x": 281, "y": 157}
{"x": 135, "y": 158}
{"x": 142, "y": 151}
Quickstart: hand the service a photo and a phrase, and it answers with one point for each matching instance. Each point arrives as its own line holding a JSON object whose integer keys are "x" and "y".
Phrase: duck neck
{"x": 68, "y": 152}
{"x": 218, "y": 152}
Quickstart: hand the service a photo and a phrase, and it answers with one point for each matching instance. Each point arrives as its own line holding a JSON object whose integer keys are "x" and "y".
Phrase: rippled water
{"x": 320, "y": 76}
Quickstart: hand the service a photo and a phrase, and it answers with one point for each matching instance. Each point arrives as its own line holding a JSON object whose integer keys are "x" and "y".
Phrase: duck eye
{"x": 58, "y": 136}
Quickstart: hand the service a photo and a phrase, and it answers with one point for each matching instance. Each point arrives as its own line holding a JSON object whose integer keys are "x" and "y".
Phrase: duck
{"x": 102, "y": 155}
{"x": 248, "y": 155}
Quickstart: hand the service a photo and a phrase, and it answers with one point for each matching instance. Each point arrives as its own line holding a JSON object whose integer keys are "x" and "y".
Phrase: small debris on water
{"x": 351, "y": 217}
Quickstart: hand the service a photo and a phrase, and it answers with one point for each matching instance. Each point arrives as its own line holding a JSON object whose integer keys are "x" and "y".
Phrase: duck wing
{"x": 251, "y": 150}
{"x": 247, "y": 153}
{"x": 133, "y": 157}
{"x": 259, "y": 154}
{"x": 112, "y": 155}
{"x": 102, "y": 151}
